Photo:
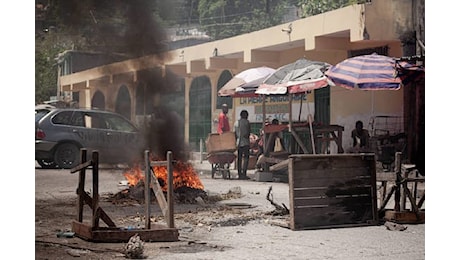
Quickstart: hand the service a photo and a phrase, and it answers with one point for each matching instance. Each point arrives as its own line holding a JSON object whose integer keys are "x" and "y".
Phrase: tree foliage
{"x": 47, "y": 48}
{"x": 222, "y": 19}
{"x": 314, "y": 7}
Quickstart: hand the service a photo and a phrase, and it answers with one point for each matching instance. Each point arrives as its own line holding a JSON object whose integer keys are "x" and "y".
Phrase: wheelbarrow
{"x": 220, "y": 162}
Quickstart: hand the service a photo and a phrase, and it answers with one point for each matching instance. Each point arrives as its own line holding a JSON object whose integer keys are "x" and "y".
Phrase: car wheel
{"x": 67, "y": 155}
{"x": 46, "y": 163}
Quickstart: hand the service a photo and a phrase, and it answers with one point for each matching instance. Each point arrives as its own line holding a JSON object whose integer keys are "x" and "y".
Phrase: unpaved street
{"x": 238, "y": 225}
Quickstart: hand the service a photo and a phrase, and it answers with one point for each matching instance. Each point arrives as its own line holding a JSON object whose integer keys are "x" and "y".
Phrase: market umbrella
{"x": 245, "y": 82}
{"x": 373, "y": 72}
{"x": 297, "y": 77}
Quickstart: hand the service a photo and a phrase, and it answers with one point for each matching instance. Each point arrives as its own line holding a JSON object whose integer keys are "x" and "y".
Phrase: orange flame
{"x": 183, "y": 175}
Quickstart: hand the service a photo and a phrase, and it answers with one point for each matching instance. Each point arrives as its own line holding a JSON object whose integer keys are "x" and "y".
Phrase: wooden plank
{"x": 81, "y": 166}
{"x": 280, "y": 166}
{"x": 156, "y": 187}
{"x": 81, "y": 186}
{"x": 362, "y": 224}
{"x": 95, "y": 204}
{"x": 107, "y": 220}
{"x": 170, "y": 211}
{"x": 331, "y": 178}
{"x": 335, "y": 161}
{"x": 151, "y": 235}
{"x": 299, "y": 141}
{"x": 331, "y": 191}
{"x": 350, "y": 201}
{"x": 157, "y": 233}
{"x": 330, "y": 215}
{"x": 405, "y": 217}
{"x": 147, "y": 188}
{"x": 82, "y": 230}
{"x": 386, "y": 176}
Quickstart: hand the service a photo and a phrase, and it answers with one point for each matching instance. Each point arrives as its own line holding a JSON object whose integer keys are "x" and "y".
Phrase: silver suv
{"x": 60, "y": 133}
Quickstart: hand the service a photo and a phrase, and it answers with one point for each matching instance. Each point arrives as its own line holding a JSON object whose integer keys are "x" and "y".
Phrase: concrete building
{"x": 189, "y": 78}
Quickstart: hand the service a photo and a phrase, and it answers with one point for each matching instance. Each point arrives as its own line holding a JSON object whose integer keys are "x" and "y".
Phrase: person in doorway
{"x": 242, "y": 131}
{"x": 223, "y": 123}
{"x": 360, "y": 138}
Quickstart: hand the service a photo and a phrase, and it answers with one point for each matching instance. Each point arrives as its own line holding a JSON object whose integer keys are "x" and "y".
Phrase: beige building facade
{"x": 202, "y": 69}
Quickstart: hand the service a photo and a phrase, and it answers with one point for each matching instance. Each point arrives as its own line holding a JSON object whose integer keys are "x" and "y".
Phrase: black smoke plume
{"x": 129, "y": 27}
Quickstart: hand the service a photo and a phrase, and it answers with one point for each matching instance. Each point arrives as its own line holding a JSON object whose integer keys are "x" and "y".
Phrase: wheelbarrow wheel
{"x": 225, "y": 171}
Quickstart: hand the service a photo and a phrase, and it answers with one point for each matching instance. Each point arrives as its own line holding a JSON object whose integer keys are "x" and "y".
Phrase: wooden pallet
{"x": 151, "y": 232}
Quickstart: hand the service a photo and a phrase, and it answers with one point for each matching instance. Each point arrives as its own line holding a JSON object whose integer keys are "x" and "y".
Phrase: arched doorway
{"x": 123, "y": 102}
{"x": 98, "y": 100}
{"x": 140, "y": 100}
{"x": 200, "y": 111}
{"x": 224, "y": 77}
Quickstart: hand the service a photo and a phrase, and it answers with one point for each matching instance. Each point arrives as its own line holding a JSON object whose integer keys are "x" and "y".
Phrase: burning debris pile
{"x": 187, "y": 185}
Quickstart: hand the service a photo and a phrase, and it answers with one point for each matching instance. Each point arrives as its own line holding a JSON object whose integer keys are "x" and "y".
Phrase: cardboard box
{"x": 221, "y": 142}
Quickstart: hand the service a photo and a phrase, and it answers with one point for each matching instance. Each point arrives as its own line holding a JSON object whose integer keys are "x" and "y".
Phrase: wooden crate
{"x": 329, "y": 191}
{"x": 221, "y": 142}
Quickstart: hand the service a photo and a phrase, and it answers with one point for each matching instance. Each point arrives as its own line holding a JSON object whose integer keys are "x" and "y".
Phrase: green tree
{"x": 47, "y": 47}
{"x": 314, "y": 7}
{"x": 226, "y": 18}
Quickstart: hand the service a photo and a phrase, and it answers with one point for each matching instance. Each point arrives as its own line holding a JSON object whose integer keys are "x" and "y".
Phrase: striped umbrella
{"x": 374, "y": 72}
{"x": 246, "y": 82}
{"x": 296, "y": 77}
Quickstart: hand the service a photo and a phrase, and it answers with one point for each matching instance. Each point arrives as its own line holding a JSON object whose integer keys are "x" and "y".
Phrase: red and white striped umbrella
{"x": 373, "y": 72}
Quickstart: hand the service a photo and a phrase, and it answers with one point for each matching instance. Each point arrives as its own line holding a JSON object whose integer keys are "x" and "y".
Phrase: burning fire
{"x": 183, "y": 175}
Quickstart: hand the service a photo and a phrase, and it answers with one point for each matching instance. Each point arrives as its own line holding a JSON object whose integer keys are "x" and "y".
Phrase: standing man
{"x": 223, "y": 124}
{"x": 242, "y": 131}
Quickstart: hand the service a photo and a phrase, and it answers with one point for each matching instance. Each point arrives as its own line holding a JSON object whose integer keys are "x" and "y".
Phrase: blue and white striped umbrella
{"x": 373, "y": 72}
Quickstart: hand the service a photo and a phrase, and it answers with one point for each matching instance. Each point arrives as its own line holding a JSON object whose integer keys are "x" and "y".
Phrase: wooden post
{"x": 414, "y": 187}
{"x": 339, "y": 141}
{"x": 290, "y": 110}
{"x": 312, "y": 137}
{"x": 398, "y": 179}
{"x": 95, "y": 219}
{"x": 81, "y": 186}
{"x": 265, "y": 166}
{"x": 147, "y": 188}
{"x": 170, "y": 216}
{"x": 404, "y": 193}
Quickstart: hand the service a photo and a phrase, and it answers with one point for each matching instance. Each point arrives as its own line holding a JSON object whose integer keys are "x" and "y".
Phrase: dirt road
{"x": 241, "y": 224}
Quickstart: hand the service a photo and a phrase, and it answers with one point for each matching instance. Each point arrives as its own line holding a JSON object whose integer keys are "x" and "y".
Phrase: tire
{"x": 67, "y": 155}
{"x": 47, "y": 163}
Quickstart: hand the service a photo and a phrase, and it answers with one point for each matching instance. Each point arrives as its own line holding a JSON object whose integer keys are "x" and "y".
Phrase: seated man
{"x": 360, "y": 139}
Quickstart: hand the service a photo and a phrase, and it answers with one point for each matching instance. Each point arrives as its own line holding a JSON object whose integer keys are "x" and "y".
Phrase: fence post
{"x": 201, "y": 150}
{"x": 147, "y": 188}
{"x": 95, "y": 158}
{"x": 170, "y": 217}
{"x": 81, "y": 185}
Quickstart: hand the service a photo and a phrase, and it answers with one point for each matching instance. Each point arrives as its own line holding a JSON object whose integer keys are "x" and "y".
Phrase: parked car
{"x": 60, "y": 133}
